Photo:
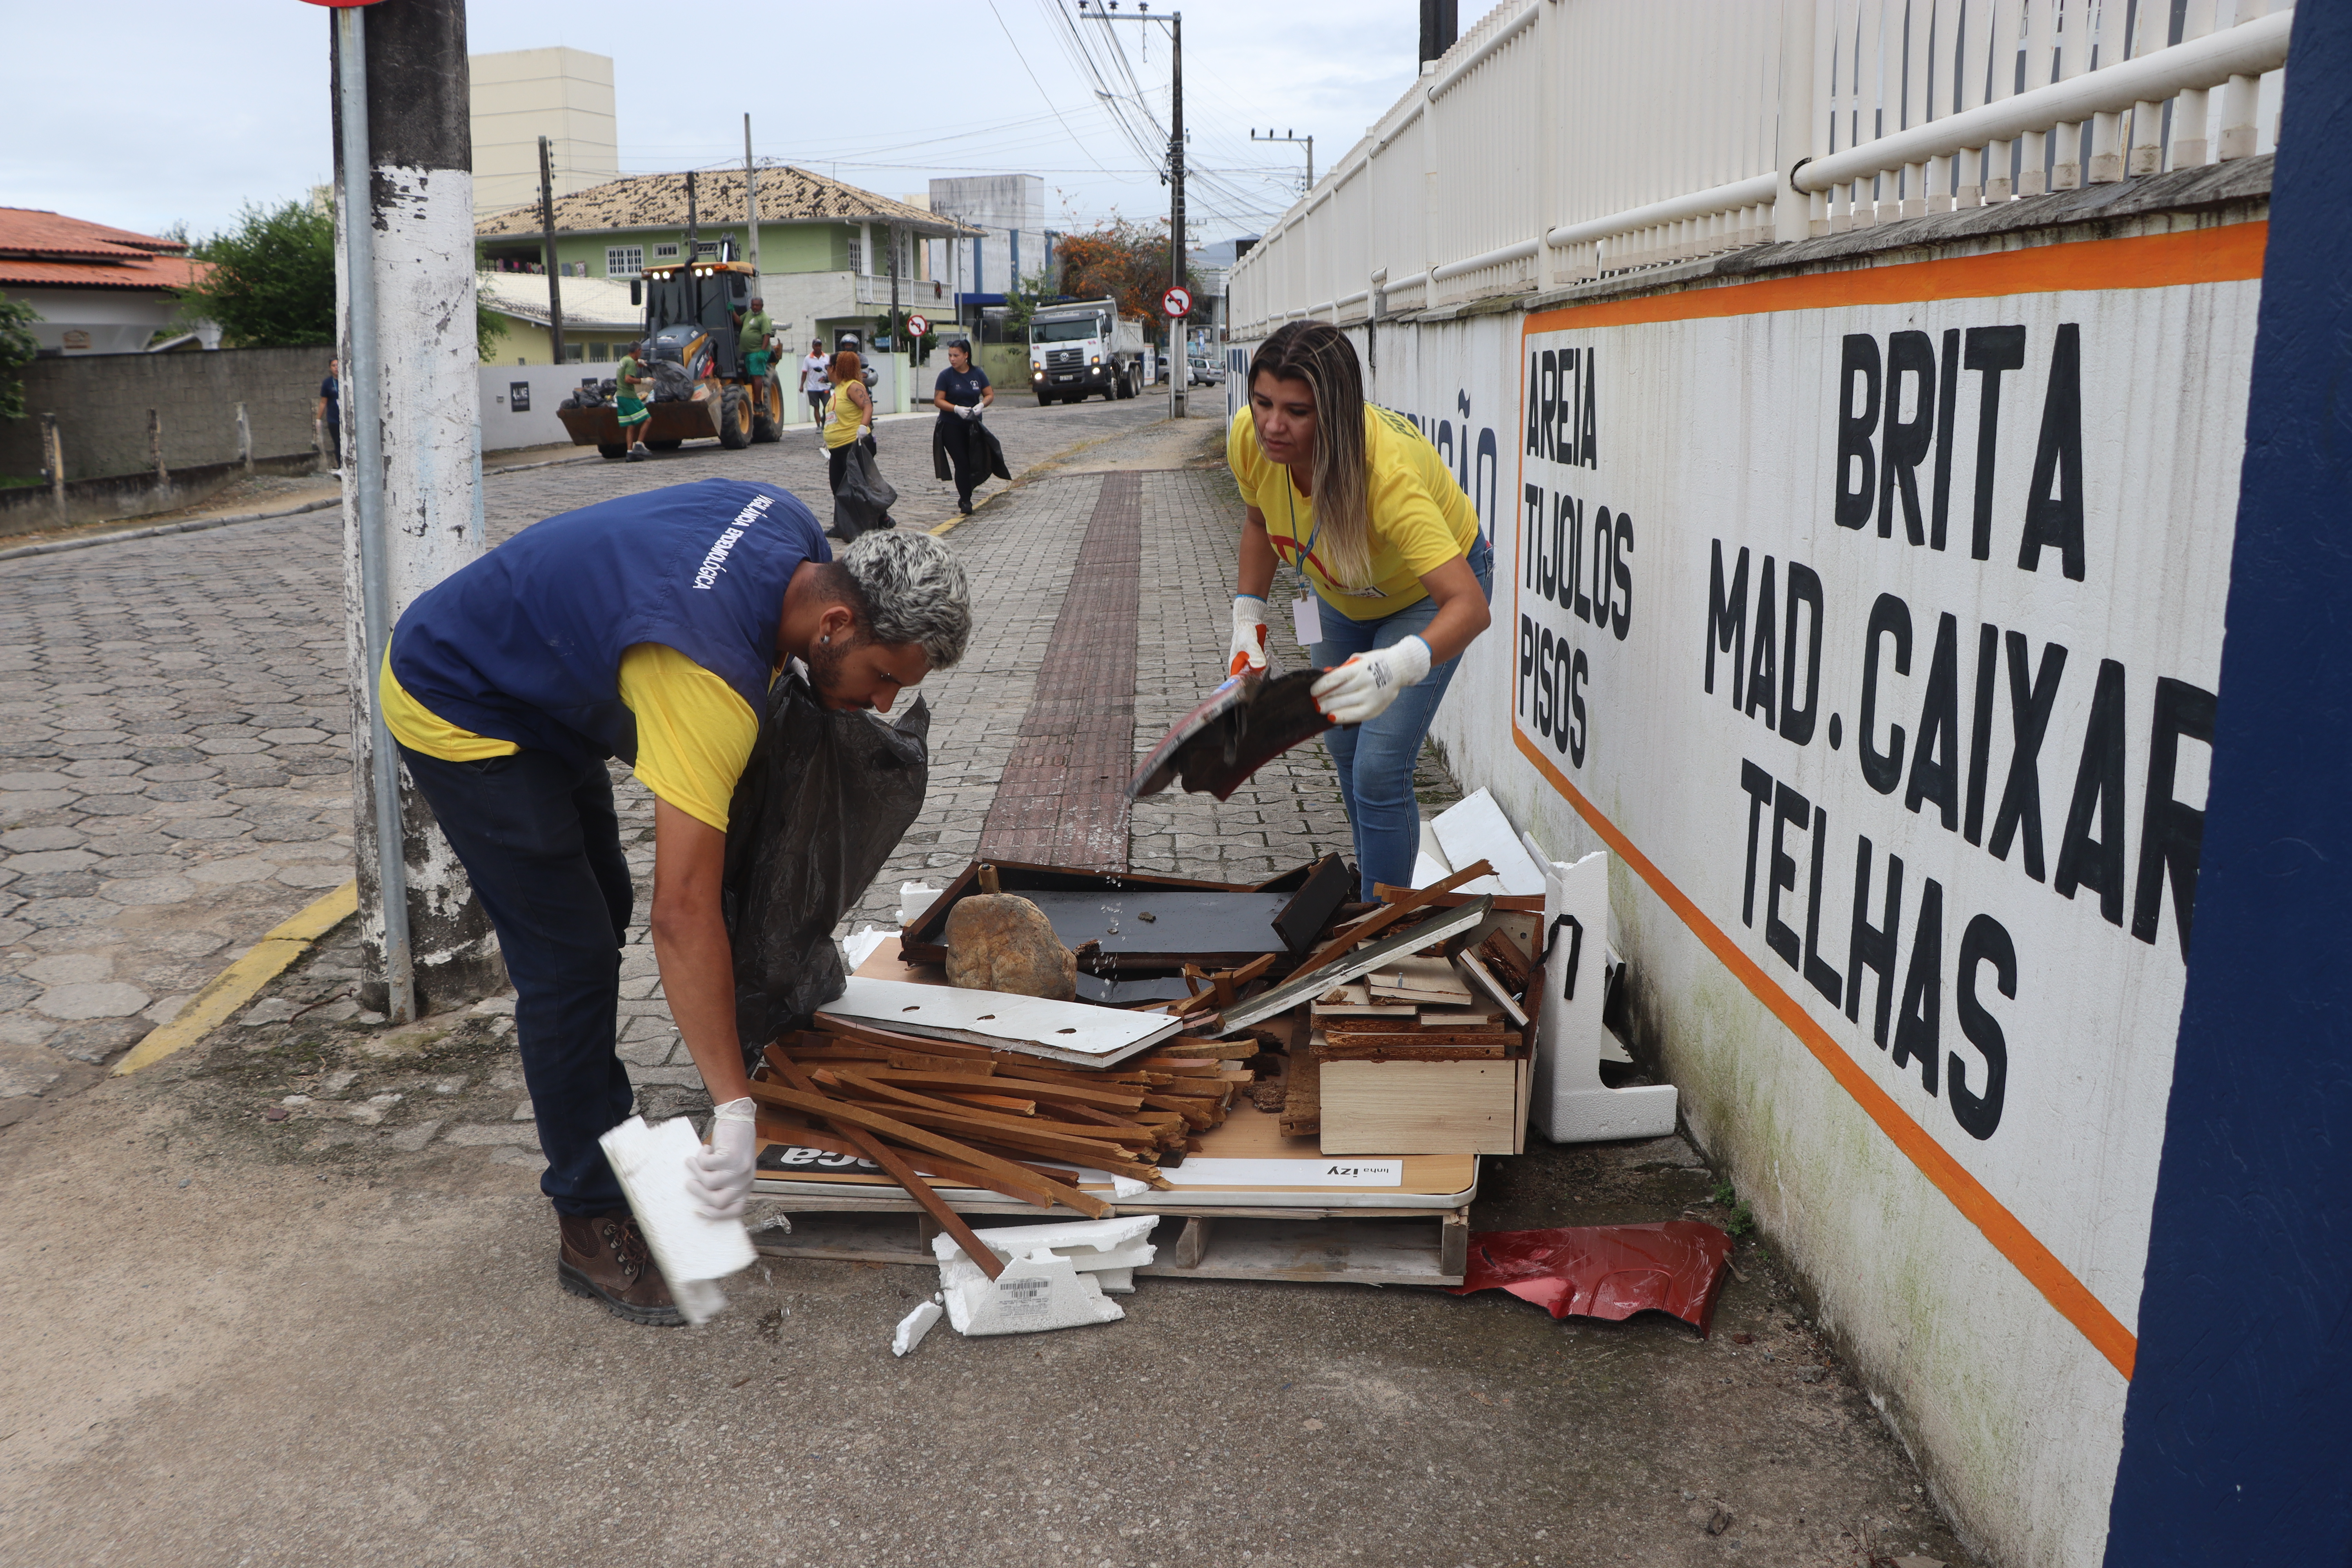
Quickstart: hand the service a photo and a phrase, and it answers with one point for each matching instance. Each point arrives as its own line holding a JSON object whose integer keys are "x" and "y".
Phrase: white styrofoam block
{"x": 914, "y": 1326}
{"x": 1572, "y": 1105}
{"x": 1115, "y": 1281}
{"x": 1429, "y": 866}
{"x": 692, "y": 1253}
{"x": 1475, "y": 829}
{"x": 1119, "y": 1243}
{"x": 914, "y": 897}
{"x": 1036, "y": 1293}
{"x": 859, "y": 946}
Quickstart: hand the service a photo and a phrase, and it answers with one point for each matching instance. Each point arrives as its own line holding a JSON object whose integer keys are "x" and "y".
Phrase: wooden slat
{"x": 1354, "y": 934}
{"x": 1028, "y": 1183}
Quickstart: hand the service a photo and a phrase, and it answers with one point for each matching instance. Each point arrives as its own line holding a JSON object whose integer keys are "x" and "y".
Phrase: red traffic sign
{"x": 1177, "y": 301}
{"x": 917, "y": 326}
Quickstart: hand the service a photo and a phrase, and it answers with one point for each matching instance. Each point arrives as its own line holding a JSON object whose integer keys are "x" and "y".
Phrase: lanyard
{"x": 1290, "y": 494}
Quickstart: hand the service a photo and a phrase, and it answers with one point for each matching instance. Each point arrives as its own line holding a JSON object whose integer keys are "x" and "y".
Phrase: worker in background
{"x": 959, "y": 393}
{"x": 330, "y": 414}
{"x": 1388, "y": 547}
{"x": 753, "y": 337}
{"x": 631, "y": 385}
{"x": 816, "y": 383}
{"x": 648, "y": 627}
{"x": 851, "y": 416}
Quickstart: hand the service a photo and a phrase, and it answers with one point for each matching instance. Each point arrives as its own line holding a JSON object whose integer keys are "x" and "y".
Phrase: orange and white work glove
{"x": 1248, "y": 650}
{"x": 1361, "y": 689}
{"x": 718, "y": 1176}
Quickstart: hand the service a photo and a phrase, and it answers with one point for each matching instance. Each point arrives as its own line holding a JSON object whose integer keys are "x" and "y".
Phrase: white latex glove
{"x": 1247, "y": 650}
{"x": 972, "y": 412}
{"x": 718, "y": 1177}
{"x": 1362, "y": 688}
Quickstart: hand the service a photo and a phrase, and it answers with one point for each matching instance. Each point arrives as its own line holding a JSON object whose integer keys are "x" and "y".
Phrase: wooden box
{"x": 1476, "y": 1106}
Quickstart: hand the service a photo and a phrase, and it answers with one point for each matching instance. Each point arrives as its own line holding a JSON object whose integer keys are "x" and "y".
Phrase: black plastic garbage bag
{"x": 863, "y": 498}
{"x": 821, "y": 805}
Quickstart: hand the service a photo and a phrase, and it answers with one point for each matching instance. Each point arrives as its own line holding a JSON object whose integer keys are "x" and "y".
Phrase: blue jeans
{"x": 1375, "y": 760}
{"x": 538, "y": 838}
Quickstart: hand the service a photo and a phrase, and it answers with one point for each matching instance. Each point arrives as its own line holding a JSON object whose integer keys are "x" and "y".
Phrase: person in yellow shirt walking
{"x": 1398, "y": 574}
{"x": 647, "y": 627}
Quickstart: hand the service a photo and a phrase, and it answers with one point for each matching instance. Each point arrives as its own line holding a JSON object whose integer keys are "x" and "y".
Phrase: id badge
{"x": 1306, "y": 620}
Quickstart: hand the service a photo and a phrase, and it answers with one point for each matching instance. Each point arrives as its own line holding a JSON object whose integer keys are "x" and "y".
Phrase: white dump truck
{"x": 1079, "y": 350}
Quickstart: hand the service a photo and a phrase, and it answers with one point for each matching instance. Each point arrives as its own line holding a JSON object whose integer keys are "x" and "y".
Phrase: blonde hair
{"x": 1320, "y": 356}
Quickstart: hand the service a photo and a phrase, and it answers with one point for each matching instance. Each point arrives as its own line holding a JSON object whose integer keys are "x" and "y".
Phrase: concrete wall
{"x": 1955, "y": 460}
{"x": 522, "y": 95}
{"x": 102, "y": 404}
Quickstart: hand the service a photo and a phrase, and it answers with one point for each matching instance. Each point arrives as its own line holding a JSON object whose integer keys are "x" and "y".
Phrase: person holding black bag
{"x": 960, "y": 393}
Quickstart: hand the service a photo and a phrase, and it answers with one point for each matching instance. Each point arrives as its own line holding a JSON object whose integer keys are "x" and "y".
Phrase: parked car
{"x": 1206, "y": 372}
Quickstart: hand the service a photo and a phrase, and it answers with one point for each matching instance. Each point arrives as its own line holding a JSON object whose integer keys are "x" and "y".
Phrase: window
{"x": 624, "y": 260}
{"x": 706, "y": 248}
{"x": 856, "y": 256}
{"x": 665, "y": 252}
{"x": 599, "y": 353}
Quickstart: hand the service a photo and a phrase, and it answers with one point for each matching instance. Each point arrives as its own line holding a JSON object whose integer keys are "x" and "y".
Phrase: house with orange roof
{"x": 100, "y": 290}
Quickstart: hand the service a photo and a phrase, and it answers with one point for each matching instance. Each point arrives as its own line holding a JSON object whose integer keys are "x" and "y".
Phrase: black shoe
{"x": 963, "y": 504}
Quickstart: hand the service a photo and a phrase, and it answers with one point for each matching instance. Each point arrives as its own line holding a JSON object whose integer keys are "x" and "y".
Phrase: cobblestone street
{"x": 284, "y": 1297}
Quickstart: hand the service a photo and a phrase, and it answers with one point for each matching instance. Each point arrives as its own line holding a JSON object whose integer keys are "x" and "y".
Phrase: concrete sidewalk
{"x": 335, "y": 1335}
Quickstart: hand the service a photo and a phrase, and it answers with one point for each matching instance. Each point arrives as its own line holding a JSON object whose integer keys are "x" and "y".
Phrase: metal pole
{"x": 693, "y": 271}
{"x": 1182, "y": 368}
{"x": 363, "y": 397}
{"x": 547, "y": 243}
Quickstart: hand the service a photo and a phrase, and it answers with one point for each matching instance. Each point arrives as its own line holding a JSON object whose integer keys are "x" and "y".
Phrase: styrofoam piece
{"x": 1088, "y": 1244}
{"x": 1115, "y": 1281}
{"x": 1036, "y": 1293}
{"x": 859, "y": 946}
{"x": 914, "y": 897}
{"x": 1121, "y": 1187}
{"x": 693, "y": 1253}
{"x": 1475, "y": 829}
{"x": 1071, "y": 1030}
{"x": 914, "y": 1326}
{"x": 1572, "y": 1104}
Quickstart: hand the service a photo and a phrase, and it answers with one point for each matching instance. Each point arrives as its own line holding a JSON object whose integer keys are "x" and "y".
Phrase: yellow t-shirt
{"x": 694, "y": 730}
{"x": 848, "y": 417}
{"x": 1420, "y": 518}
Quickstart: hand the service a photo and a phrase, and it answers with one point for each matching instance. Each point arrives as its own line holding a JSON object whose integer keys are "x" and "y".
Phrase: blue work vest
{"x": 525, "y": 644}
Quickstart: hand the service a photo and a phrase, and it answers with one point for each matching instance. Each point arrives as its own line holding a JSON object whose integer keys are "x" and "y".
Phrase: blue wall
{"x": 2238, "y": 1429}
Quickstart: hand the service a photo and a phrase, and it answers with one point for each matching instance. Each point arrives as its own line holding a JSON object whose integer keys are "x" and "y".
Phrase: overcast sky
{"x": 147, "y": 113}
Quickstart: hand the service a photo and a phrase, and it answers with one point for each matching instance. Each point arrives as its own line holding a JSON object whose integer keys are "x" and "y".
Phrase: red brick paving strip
{"x": 1064, "y": 794}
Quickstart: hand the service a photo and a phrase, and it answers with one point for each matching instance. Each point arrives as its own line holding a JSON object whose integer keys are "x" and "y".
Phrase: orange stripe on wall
{"x": 2003, "y": 1230}
{"x": 2225, "y": 255}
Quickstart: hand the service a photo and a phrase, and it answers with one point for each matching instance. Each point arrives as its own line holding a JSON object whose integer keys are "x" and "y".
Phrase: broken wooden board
{"x": 1309, "y": 984}
{"x": 1060, "y": 1031}
{"x": 1245, "y": 722}
{"x": 1421, "y": 1106}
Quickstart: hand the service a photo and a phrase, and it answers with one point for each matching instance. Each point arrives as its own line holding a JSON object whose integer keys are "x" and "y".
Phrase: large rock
{"x": 998, "y": 941}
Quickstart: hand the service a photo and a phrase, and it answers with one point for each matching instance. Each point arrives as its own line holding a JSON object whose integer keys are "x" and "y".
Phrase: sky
{"x": 231, "y": 107}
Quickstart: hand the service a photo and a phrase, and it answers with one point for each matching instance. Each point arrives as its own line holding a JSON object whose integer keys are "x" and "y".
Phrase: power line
{"x": 1040, "y": 86}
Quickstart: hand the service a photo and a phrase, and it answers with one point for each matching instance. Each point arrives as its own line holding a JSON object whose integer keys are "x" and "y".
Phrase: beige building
{"x": 522, "y": 95}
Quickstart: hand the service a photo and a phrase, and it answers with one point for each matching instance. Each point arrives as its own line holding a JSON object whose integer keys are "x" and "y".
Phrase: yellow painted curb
{"x": 233, "y": 987}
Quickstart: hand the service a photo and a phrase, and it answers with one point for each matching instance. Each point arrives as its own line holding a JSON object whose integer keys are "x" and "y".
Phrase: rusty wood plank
{"x": 1357, "y": 933}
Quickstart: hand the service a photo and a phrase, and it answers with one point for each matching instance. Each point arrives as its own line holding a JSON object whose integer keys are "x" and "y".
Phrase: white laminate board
{"x": 1071, "y": 1030}
{"x": 1475, "y": 829}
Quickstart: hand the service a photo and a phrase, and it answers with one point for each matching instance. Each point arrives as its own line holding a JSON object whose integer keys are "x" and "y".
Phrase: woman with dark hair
{"x": 1387, "y": 546}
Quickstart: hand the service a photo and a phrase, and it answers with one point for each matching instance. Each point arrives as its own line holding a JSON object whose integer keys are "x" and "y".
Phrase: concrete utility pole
{"x": 751, "y": 195}
{"x": 1181, "y": 367}
{"x": 547, "y": 244}
{"x": 1296, "y": 140}
{"x": 412, "y": 503}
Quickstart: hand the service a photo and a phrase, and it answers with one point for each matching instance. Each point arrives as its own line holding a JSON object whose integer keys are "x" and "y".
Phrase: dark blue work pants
{"x": 538, "y": 838}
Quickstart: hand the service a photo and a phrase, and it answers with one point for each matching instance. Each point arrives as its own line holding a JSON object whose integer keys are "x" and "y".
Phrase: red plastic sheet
{"x": 1609, "y": 1271}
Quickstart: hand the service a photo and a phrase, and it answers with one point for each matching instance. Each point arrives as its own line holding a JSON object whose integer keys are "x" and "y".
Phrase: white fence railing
{"x": 1561, "y": 140}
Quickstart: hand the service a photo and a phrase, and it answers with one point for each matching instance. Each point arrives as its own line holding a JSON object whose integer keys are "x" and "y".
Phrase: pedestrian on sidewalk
{"x": 1396, "y": 575}
{"x": 610, "y": 632}
{"x": 631, "y": 383}
{"x": 959, "y": 393}
{"x": 853, "y": 416}
{"x": 331, "y": 415}
{"x": 816, "y": 383}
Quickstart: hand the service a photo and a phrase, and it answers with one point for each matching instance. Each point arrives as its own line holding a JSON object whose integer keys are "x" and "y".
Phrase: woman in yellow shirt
{"x": 1362, "y": 505}
{"x": 852, "y": 409}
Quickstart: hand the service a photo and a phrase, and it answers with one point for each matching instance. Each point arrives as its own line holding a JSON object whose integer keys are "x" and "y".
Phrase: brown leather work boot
{"x": 605, "y": 1258}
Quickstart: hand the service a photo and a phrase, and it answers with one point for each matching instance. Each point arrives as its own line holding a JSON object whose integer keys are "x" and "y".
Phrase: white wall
{"x": 1982, "y": 1265}
{"x": 115, "y": 320}
{"x": 503, "y": 428}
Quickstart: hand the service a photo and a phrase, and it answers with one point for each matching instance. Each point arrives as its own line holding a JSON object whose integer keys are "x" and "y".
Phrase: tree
{"x": 1125, "y": 261}
{"x": 270, "y": 281}
{"x": 17, "y": 348}
{"x": 1021, "y": 302}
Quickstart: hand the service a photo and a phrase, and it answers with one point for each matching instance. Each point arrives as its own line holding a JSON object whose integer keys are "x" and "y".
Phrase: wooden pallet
{"x": 1313, "y": 1246}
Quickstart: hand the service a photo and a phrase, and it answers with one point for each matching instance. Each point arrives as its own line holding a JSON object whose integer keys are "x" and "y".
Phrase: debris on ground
{"x": 1609, "y": 1272}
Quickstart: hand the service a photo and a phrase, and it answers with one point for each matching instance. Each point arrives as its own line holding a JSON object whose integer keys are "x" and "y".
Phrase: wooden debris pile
{"x": 975, "y": 1118}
